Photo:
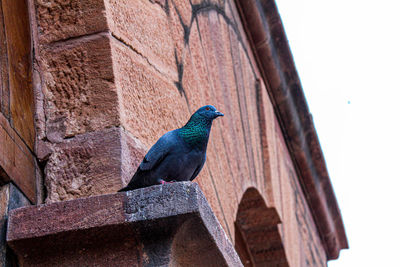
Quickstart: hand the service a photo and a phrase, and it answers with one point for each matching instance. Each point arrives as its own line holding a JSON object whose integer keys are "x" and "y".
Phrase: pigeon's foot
{"x": 165, "y": 182}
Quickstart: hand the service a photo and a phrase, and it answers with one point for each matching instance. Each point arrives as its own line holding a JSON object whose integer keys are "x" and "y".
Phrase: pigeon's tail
{"x": 129, "y": 187}
{"x": 135, "y": 182}
{"x": 126, "y": 188}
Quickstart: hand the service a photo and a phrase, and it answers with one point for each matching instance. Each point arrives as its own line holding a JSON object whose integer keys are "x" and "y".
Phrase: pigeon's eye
{"x": 207, "y": 108}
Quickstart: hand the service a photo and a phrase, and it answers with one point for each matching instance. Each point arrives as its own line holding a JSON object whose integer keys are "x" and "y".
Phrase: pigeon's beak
{"x": 218, "y": 114}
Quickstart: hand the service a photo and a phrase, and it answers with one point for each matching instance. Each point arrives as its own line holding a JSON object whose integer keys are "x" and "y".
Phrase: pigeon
{"x": 179, "y": 155}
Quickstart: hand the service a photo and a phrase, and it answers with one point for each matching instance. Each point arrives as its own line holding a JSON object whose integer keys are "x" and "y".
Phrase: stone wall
{"x": 110, "y": 77}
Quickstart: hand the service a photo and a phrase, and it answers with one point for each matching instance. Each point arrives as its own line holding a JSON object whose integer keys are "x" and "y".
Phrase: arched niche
{"x": 257, "y": 238}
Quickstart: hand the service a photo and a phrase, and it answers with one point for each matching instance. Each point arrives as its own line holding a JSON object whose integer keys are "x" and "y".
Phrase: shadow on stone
{"x": 258, "y": 240}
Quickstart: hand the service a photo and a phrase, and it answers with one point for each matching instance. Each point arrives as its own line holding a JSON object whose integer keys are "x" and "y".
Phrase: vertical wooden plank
{"x": 16, "y": 161}
{"x": 17, "y": 29}
{"x": 4, "y": 88}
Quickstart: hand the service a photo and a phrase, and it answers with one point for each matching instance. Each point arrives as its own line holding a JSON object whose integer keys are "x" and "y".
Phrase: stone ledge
{"x": 160, "y": 225}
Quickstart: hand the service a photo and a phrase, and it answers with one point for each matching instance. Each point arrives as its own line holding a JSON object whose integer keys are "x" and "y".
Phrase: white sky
{"x": 347, "y": 54}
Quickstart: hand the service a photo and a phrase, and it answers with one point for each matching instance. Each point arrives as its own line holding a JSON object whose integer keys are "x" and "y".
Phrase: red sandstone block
{"x": 211, "y": 62}
{"x": 59, "y": 20}
{"x": 276, "y": 180}
{"x": 268, "y": 148}
{"x": 169, "y": 225}
{"x": 290, "y": 224}
{"x": 179, "y": 15}
{"x": 193, "y": 86}
{"x": 184, "y": 10}
{"x": 250, "y": 88}
{"x": 297, "y": 220}
{"x": 207, "y": 186}
{"x": 147, "y": 103}
{"x": 144, "y": 26}
{"x": 132, "y": 153}
{"x": 150, "y": 103}
{"x": 207, "y": 40}
{"x": 196, "y": 80}
{"x": 219, "y": 2}
{"x": 91, "y": 164}
{"x": 238, "y": 107}
{"x": 216, "y": 155}
{"x": 228, "y": 96}
{"x": 199, "y": 63}
{"x": 222, "y": 180}
{"x": 140, "y": 24}
{"x": 79, "y": 92}
{"x": 227, "y": 77}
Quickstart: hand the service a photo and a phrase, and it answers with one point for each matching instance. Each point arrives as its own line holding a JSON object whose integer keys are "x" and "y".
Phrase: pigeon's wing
{"x": 198, "y": 169}
{"x": 158, "y": 151}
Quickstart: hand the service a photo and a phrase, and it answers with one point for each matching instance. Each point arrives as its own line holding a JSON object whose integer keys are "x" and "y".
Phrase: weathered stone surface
{"x": 201, "y": 2}
{"x": 91, "y": 164}
{"x": 297, "y": 217}
{"x": 43, "y": 150}
{"x": 232, "y": 125}
{"x": 150, "y": 103}
{"x": 132, "y": 153}
{"x": 59, "y": 20}
{"x": 179, "y": 30}
{"x": 267, "y": 133}
{"x": 199, "y": 92}
{"x": 184, "y": 11}
{"x": 195, "y": 79}
{"x": 155, "y": 67}
{"x": 197, "y": 87}
{"x": 79, "y": 90}
{"x": 143, "y": 26}
{"x": 251, "y": 116}
{"x": 155, "y": 226}
{"x": 214, "y": 75}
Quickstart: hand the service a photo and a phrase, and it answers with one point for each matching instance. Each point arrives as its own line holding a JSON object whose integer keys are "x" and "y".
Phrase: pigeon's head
{"x": 209, "y": 112}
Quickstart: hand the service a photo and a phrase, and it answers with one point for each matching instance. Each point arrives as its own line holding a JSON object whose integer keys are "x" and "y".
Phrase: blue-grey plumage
{"x": 179, "y": 155}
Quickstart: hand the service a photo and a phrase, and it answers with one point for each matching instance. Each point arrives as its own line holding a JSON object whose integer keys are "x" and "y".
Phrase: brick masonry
{"x": 113, "y": 76}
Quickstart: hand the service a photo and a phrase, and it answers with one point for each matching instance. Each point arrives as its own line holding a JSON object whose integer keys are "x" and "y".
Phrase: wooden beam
{"x": 17, "y": 163}
{"x": 17, "y": 29}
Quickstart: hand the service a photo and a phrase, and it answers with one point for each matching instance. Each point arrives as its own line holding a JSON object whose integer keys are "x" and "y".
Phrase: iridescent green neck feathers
{"x": 196, "y": 131}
